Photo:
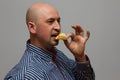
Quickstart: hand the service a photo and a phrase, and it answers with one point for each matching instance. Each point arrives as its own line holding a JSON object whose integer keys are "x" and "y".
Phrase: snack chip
{"x": 61, "y": 36}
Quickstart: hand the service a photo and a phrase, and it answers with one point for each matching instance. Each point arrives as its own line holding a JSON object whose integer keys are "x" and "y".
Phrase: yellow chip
{"x": 61, "y": 36}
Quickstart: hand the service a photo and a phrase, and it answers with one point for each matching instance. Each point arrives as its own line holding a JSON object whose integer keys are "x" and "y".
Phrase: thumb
{"x": 67, "y": 42}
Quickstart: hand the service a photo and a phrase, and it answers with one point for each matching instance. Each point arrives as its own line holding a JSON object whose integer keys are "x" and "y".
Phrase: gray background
{"x": 101, "y": 17}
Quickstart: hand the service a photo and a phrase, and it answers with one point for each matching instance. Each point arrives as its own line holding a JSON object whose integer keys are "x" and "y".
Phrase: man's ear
{"x": 32, "y": 27}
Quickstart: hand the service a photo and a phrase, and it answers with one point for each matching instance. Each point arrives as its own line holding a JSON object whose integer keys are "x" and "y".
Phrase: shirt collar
{"x": 39, "y": 52}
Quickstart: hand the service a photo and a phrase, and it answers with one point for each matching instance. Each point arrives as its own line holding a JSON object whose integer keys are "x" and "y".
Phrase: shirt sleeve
{"x": 83, "y": 71}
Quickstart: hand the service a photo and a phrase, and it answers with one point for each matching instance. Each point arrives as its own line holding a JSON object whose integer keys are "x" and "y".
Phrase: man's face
{"x": 48, "y": 27}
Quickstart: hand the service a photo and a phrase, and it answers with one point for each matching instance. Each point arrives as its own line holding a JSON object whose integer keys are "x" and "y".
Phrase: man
{"x": 42, "y": 60}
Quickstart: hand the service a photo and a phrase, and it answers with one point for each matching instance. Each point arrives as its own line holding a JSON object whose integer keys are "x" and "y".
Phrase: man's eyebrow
{"x": 54, "y": 18}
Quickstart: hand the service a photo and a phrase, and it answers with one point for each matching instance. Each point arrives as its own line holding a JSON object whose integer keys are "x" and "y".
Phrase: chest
{"x": 57, "y": 71}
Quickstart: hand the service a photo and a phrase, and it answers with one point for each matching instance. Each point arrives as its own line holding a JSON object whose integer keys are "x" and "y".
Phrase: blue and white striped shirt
{"x": 38, "y": 64}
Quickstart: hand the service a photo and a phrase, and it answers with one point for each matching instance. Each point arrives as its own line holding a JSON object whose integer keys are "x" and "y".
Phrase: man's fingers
{"x": 78, "y": 30}
{"x": 66, "y": 43}
{"x": 87, "y": 35}
{"x": 70, "y": 35}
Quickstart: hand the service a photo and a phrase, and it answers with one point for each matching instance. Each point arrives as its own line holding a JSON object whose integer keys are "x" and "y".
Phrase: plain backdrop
{"x": 101, "y": 17}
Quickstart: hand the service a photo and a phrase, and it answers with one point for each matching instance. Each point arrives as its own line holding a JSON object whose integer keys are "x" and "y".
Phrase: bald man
{"x": 41, "y": 59}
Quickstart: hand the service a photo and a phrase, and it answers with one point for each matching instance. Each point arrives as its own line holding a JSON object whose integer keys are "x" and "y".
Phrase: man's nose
{"x": 57, "y": 25}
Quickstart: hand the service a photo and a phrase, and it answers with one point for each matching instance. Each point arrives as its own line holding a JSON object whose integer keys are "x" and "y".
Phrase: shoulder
{"x": 27, "y": 71}
{"x": 27, "y": 68}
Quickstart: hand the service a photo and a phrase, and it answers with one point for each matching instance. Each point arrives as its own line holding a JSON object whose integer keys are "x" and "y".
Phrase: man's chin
{"x": 55, "y": 43}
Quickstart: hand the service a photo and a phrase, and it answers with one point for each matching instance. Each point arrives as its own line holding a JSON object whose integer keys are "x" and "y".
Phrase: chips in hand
{"x": 61, "y": 36}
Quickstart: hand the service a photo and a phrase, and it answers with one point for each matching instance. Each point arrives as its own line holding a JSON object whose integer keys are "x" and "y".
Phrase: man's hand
{"x": 77, "y": 43}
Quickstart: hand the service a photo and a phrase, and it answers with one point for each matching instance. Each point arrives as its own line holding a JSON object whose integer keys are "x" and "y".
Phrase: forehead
{"x": 48, "y": 12}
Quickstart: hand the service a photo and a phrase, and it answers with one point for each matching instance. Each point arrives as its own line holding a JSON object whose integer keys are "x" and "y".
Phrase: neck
{"x": 41, "y": 45}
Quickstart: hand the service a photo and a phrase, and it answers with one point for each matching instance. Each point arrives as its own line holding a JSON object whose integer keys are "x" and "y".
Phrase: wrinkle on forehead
{"x": 39, "y": 9}
{"x": 48, "y": 12}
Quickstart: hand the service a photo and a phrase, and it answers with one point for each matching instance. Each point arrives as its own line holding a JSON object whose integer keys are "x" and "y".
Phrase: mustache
{"x": 55, "y": 33}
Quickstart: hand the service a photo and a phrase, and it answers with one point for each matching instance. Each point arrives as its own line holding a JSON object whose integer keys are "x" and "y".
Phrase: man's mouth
{"x": 55, "y": 35}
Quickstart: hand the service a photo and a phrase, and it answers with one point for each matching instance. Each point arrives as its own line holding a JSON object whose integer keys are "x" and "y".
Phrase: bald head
{"x": 36, "y": 10}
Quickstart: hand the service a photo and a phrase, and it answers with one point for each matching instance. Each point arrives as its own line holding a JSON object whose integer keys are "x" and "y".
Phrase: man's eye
{"x": 58, "y": 21}
{"x": 50, "y": 22}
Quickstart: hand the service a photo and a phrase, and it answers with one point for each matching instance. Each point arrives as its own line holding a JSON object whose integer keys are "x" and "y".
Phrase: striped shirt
{"x": 38, "y": 64}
